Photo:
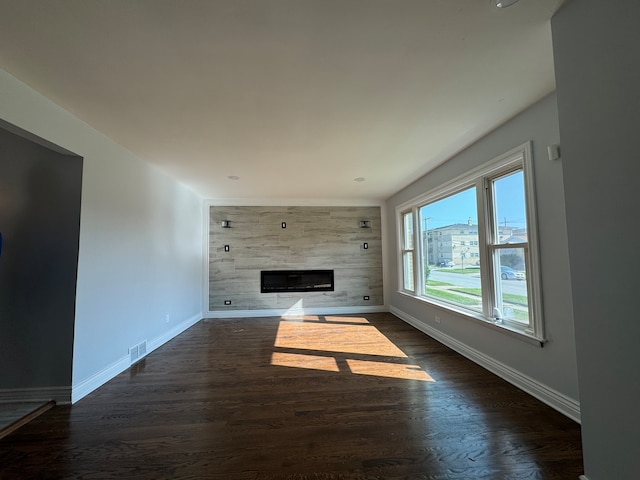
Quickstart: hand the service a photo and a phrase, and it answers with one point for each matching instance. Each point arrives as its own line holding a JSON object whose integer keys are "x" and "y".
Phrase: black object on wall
{"x": 272, "y": 281}
{"x": 40, "y": 193}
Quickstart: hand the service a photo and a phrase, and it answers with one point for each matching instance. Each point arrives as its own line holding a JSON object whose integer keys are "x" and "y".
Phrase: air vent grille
{"x": 137, "y": 351}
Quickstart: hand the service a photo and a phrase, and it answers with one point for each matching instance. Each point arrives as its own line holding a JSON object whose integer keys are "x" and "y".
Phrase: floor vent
{"x": 137, "y": 351}
{"x": 142, "y": 349}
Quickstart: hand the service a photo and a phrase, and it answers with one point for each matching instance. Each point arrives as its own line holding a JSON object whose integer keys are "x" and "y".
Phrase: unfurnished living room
{"x": 318, "y": 239}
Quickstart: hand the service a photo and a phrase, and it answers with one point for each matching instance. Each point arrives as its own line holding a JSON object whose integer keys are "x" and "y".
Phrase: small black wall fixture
{"x": 225, "y": 224}
{"x": 284, "y": 224}
{"x": 365, "y": 224}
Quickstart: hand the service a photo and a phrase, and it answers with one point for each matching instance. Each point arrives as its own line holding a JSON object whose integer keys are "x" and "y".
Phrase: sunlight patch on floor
{"x": 298, "y": 360}
{"x": 335, "y": 337}
{"x": 341, "y": 344}
{"x": 389, "y": 370}
{"x": 346, "y": 320}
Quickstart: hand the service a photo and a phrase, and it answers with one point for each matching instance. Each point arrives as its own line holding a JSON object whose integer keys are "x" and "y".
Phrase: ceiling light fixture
{"x": 505, "y": 3}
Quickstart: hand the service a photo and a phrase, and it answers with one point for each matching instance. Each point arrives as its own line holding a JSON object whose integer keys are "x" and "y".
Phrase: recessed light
{"x": 359, "y": 179}
{"x": 233, "y": 177}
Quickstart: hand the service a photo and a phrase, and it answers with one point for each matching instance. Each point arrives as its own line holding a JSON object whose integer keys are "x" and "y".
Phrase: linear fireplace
{"x": 296, "y": 281}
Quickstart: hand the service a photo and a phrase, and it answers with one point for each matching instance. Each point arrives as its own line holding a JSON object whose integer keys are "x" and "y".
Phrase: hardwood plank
{"x": 255, "y": 399}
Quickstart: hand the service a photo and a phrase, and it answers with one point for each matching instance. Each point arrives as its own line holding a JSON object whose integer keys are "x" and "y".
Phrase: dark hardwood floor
{"x": 319, "y": 398}
{"x": 14, "y": 415}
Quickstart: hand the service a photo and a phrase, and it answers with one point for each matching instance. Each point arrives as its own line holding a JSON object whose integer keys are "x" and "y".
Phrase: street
{"x": 472, "y": 280}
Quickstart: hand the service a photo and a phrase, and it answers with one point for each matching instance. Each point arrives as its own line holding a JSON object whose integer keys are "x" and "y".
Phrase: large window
{"x": 471, "y": 245}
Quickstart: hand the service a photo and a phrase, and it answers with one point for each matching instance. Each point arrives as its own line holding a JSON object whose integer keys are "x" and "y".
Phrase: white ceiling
{"x": 295, "y": 97}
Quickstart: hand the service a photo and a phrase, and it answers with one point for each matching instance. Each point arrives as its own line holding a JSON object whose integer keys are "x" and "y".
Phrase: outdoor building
{"x": 458, "y": 243}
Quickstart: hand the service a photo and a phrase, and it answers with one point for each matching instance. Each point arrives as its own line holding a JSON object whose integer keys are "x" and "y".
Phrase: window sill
{"x": 503, "y": 328}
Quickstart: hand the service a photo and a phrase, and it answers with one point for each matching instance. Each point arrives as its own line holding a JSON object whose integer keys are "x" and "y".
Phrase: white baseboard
{"x": 174, "y": 332}
{"x": 98, "y": 379}
{"x": 556, "y": 400}
{"x": 61, "y": 395}
{"x": 583, "y": 477}
{"x": 295, "y": 312}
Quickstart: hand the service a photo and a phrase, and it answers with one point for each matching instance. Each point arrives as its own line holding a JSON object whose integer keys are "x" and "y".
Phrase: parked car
{"x": 508, "y": 273}
{"x": 446, "y": 263}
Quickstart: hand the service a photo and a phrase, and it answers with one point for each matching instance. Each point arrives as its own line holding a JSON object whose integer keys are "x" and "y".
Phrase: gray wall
{"x": 554, "y": 366}
{"x": 597, "y": 55}
{"x": 315, "y": 238}
{"x": 40, "y": 224}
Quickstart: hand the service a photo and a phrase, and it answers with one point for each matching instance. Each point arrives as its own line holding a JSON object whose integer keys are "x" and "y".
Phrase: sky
{"x": 458, "y": 208}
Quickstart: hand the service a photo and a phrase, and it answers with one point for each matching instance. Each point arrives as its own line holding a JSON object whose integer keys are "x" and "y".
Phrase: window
{"x": 484, "y": 265}
{"x": 508, "y": 254}
{"x": 452, "y": 280}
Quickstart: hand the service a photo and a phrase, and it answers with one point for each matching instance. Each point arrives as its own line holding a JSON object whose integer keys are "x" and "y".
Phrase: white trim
{"x": 556, "y": 400}
{"x": 583, "y": 477}
{"x": 504, "y": 328}
{"x": 61, "y": 395}
{"x": 206, "y": 262}
{"x": 384, "y": 236}
{"x": 535, "y": 280}
{"x": 98, "y": 379}
{"x": 468, "y": 179}
{"x": 174, "y": 332}
{"x": 289, "y": 202}
{"x": 295, "y": 312}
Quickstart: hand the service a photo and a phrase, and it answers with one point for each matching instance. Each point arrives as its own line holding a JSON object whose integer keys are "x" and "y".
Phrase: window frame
{"x": 518, "y": 159}
{"x": 404, "y": 250}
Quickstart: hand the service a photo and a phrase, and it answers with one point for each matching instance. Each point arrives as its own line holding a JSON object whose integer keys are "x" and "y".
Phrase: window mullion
{"x": 417, "y": 253}
{"x": 485, "y": 238}
{"x": 408, "y": 250}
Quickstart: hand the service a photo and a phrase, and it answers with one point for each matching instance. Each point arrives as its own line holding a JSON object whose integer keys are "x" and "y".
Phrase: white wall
{"x": 549, "y": 372}
{"x": 597, "y": 54}
{"x": 140, "y": 255}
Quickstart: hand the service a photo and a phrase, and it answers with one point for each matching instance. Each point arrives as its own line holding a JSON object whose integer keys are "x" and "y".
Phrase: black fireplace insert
{"x": 296, "y": 281}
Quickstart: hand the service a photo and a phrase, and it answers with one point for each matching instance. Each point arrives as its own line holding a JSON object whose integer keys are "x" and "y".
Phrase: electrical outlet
{"x": 226, "y": 248}
{"x": 366, "y": 297}
{"x": 437, "y": 319}
{"x": 365, "y": 246}
{"x": 227, "y": 302}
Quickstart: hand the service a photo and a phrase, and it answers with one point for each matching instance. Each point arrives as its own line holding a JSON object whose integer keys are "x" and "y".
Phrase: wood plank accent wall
{"x": 315, "y": 238}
